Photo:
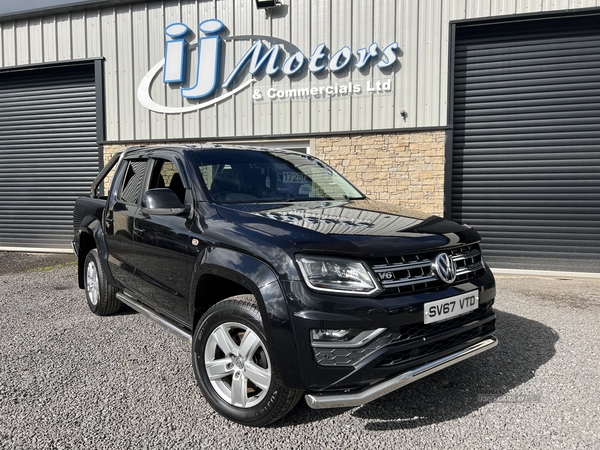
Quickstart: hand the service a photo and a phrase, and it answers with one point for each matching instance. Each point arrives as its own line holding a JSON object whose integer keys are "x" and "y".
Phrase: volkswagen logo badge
{"x": 444, "y": 268}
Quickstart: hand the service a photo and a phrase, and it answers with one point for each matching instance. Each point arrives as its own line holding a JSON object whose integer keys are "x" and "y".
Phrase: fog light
{"x": 351, "y": 338}
{"x": 332, "y": 335}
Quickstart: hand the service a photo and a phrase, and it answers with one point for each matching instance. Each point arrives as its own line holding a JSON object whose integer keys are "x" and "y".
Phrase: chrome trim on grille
{"x": 463, "y": 256}
{"x": 381, "y": 268}
{"x": 471, "y": 268}
{"x": 351, "y": 399}
{"x": 409, "y": 281}
{"x": 416, "y": 269}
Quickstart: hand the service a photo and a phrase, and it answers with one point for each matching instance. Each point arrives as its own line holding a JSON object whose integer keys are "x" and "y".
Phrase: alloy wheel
{"x": 237, "y": 365}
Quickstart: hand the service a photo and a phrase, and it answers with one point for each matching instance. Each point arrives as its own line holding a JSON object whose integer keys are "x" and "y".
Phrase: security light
{"x": 263, "y": 4}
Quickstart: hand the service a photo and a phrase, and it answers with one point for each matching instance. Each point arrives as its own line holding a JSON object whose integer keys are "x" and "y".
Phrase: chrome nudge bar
{"x": 350, "y": 399}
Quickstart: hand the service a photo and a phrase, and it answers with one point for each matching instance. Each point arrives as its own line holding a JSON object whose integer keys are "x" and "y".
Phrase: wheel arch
{"x": 222, "y": 273}
{"x": 90, "y": 236}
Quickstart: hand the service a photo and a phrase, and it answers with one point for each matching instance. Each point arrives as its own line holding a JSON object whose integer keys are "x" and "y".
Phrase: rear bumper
{"x": 351, "y": 399}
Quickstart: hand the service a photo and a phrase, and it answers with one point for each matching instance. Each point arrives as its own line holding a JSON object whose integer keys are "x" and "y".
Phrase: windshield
{"x": 248, "y": 176}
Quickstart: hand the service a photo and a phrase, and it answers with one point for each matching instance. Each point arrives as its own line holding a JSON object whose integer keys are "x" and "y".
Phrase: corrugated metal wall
{"x": 132, "y": 40}
{"x": 48, "y": 154}
{"x": 526, "y": 153}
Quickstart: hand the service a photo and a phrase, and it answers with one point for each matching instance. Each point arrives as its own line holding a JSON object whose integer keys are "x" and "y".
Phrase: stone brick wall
{"x": 109, "y": 151}
{"x": 404, "y": 168}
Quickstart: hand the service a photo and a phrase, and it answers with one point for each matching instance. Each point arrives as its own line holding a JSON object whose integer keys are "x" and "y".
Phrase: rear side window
{"x": 132, "y": 183}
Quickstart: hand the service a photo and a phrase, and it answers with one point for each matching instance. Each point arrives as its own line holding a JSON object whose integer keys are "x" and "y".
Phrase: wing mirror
{"x": 162, "y": 201}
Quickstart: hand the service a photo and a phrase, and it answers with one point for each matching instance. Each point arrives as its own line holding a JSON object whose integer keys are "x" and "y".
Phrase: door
{"x": 123, "y": 204}
{"x": 163, "y": 263}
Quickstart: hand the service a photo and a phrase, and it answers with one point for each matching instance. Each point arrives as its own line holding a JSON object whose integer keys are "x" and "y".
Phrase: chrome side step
{"x": 350, "y": 399}
{"x": 151, "y": 314}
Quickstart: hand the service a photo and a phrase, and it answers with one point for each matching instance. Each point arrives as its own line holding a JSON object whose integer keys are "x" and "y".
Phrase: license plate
{"x": 450, "y": 307}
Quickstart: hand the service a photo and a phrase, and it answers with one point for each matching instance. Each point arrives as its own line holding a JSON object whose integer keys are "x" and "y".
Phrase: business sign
{"x": 210, "y": 85}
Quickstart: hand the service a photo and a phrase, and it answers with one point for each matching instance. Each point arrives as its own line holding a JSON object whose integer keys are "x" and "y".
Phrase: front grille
{"x": 412, "y": 273}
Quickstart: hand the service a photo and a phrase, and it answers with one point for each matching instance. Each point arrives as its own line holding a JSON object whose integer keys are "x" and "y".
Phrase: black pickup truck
{"x": 285, "y": 279}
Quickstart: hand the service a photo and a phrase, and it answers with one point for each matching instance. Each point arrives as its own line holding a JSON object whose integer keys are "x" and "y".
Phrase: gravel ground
{"x": 70, "y": 379}
{"x": 11, "y": 263}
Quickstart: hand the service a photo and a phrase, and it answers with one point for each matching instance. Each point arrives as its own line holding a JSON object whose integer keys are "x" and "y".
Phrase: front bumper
{"x": 404, "y": 345}
{"x": 351, "y": 399}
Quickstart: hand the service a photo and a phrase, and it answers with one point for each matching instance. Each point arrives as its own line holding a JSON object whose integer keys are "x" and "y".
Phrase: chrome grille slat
{"x": 409, "y": 281}
{"x": 464, "y": 256}
{"x": 471, "y": 268}
{"x": 381, "y": 268}
{"x": 412, "y": 272}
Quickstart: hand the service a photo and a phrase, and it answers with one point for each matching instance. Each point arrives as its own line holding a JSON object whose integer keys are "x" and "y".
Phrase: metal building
{"x": 500, "y": 98}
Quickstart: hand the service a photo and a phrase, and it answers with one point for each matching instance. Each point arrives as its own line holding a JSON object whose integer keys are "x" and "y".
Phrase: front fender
{"x": 258, "y": 278}
{"x": 90, "y": 235}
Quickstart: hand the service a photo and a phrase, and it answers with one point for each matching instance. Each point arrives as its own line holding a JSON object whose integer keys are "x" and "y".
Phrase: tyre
{"x": 99, "y": 293}
{"x": 232, "y": 364}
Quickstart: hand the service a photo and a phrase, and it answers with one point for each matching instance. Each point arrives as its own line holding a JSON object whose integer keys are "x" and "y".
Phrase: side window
{"x": 132, "y": 184}
{"x": 165, "y": 174}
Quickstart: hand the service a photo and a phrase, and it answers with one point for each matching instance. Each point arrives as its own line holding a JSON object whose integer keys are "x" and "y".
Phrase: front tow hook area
{"x": 351, "y": 399}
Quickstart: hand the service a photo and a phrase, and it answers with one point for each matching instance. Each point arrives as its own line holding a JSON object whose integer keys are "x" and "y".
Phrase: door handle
{"x": 138, "y": 231}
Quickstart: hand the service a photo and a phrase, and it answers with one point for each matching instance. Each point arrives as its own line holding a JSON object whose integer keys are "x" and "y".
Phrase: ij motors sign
{"x": 210, "y": 84}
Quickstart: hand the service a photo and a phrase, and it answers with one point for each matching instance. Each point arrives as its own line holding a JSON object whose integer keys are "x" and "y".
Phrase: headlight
{"x": 347, "y": 276}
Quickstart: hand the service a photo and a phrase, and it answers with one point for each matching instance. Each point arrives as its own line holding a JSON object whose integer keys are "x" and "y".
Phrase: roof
{"x": 66, "y": 9}
{"x": 199, "y": 147}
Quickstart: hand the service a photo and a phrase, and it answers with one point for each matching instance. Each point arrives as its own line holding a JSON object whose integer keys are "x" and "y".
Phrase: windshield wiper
{"x": 347, "y": 197}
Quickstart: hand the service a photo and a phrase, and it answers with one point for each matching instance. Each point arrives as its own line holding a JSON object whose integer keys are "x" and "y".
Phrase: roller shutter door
{"x": 526, "y": 145}
{"x": 48, "y": 154}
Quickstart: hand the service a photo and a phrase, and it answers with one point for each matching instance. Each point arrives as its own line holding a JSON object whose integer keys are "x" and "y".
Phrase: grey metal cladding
{"x": 131, "y": 38}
